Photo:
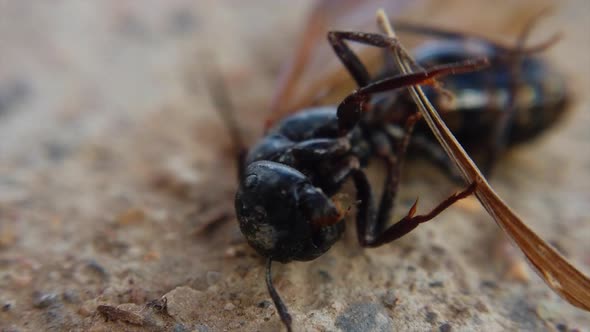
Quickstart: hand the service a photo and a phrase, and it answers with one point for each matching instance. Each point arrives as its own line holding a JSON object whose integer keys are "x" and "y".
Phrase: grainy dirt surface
{"x": 112, "y": 167}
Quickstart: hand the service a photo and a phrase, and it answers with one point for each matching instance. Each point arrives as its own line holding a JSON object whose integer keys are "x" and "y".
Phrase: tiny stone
{"x": 213, "y": 277}
{"x": 481, "y": 307}
{"x": 96, "y": 267}
{"x": 229, "y": 306}
{"x": 263, "y": 304}
{"x": 159, "y": 305}
{"x": 389, "y": 299}
{"x": 446, "y": 327}
{"x": 431, "y": 317}
{"x": 488, "y": 284}
{"x": 7, "y": 306}
{"x": 44, "y": 300}
{"x": 364, "y": 317}
{"x": 436, "y": 284}
{"x": 122, "y": 313}
{"x": 183, "y": 303}
{"x": 561, "y": 327}
{"x": 326, "y": 277}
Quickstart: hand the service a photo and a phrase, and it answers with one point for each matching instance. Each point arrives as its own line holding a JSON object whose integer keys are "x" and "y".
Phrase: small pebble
{"x": 95, "y": 267}
{"x": 263, "y": 304}
{"x": 159, "y": 305}
{"x": 481, "y": 307}
{"x": 118, "y": 314}
{"x": 229, "y": 306}
{"x": 436, "y": 284}
{"x": 325, "y": 275}
{"x": 389, "y": 299}
{"x": 488, "y": 284}
{"x": 431, "y": 317}
{"x": 7, "y": 306}
{"x": 44, "y": 300}
{"x": 561, "y": 327}
{"x": 446, "y": 327}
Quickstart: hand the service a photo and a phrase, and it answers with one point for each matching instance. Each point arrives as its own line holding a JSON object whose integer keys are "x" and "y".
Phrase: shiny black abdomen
{"x": 482, "y": 96}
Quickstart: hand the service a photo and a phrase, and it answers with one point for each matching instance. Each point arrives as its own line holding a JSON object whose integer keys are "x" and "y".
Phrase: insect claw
{"x": 413, "y": 209}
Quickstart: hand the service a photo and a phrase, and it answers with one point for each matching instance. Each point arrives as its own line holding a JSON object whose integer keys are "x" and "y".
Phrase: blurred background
{"x": 117, "y": 179}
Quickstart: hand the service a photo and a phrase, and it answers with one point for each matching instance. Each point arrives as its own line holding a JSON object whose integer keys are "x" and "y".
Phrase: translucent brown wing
{"x": 313, "y": 70}
{"x": 313, "y": 74}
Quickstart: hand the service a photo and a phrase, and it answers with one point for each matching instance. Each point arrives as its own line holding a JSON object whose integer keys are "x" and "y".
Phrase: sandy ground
{"x": 111, "y": 168}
